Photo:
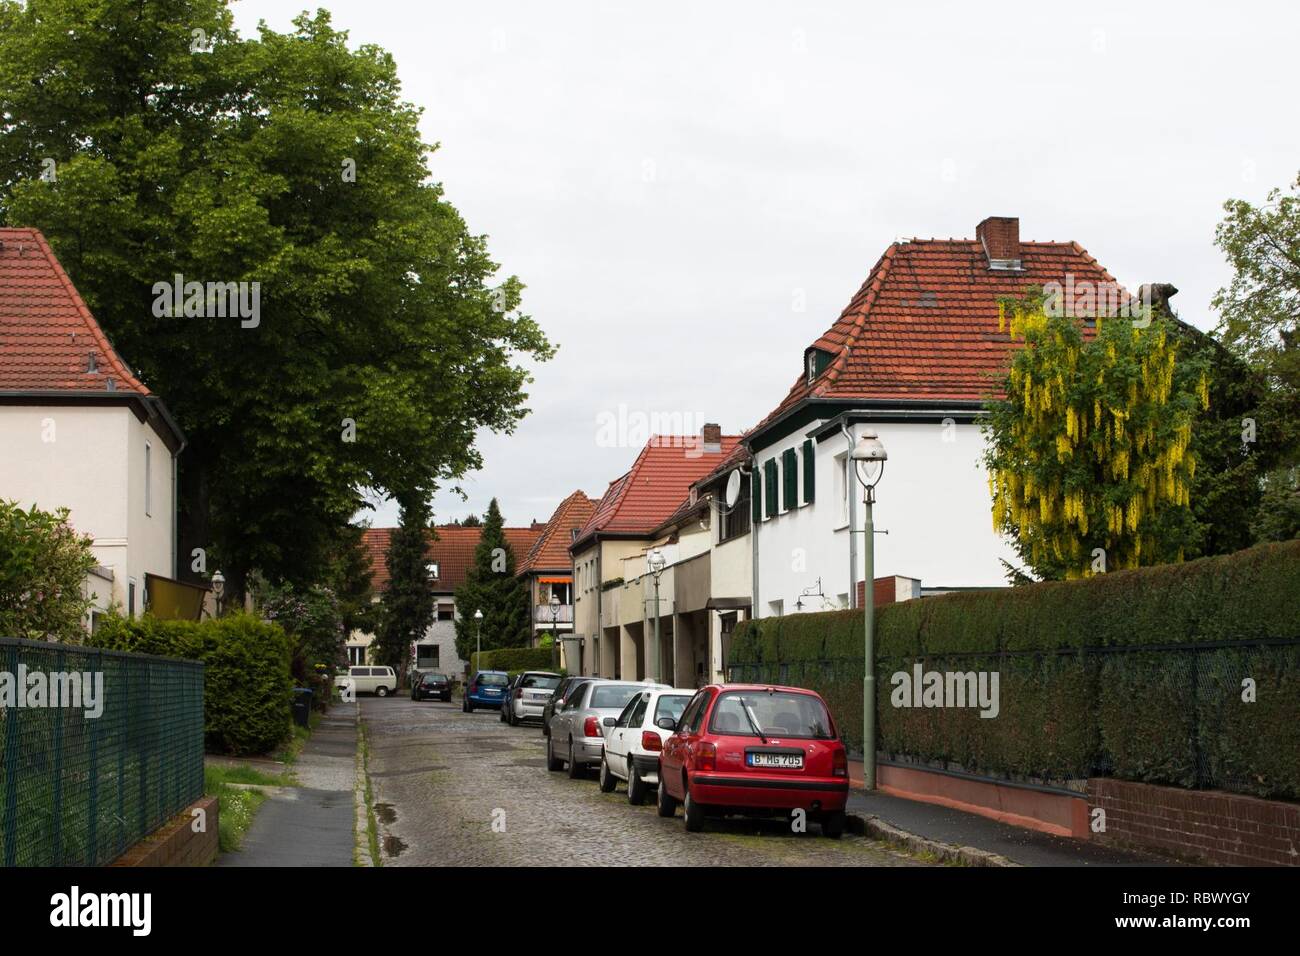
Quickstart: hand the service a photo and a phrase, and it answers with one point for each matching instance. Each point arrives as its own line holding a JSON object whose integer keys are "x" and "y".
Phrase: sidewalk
{"x": 312, "y": 824}
{"x": 958, "y": 828}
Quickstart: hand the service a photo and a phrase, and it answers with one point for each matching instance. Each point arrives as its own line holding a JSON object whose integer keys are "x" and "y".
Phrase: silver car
{"x": 577, "y": 737}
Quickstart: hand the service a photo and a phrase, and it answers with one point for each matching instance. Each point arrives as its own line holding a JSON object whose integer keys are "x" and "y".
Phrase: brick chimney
{"x": 1000, "y": 237}
{"x": 712, "y": 435}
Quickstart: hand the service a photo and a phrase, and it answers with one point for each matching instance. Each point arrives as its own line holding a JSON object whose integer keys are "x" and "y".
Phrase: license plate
{"x": 780, "y": 761}
{"x": 490, "y": 691}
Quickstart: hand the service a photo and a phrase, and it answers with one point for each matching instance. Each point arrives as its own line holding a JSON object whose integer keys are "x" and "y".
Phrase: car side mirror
{"x": 610, "y": 721}
{"x": 666, "y": 723}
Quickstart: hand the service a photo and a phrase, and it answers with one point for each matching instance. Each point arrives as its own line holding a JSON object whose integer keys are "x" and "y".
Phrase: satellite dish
{"x": 733, "y": 489}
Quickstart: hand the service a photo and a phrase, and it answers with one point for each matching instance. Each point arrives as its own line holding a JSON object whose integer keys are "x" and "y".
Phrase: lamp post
{"x": 869, "y": 464}
{"x": 656, "y": 563}
{"x": 555, "y": 636}
{"x": 218, "y": 589}
{"x": 478, "y": 637}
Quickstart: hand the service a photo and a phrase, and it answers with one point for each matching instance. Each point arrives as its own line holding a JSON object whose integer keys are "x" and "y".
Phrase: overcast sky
{"x": 693, "y": 191}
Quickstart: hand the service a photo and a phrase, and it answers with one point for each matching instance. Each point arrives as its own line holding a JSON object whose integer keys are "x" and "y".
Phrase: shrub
{"x": 512, "y": 659}
{"x": 1078, "y": 693}
{"x": 247, "y": 687}
{"x": 43, "y": 564}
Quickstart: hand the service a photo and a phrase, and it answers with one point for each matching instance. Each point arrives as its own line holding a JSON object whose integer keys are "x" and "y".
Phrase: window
{"x": 130, "y": 599}
{"x": 809, "y": 472}
{"x": 148, "y": 479}
{"x": 626, "y": 716}
{"x": 842, "y": 487}
{"x": 691, "y": 715}
{"x": 446, "y": 612}
{"x": 769, "y": 486}
{"x": 790, "y": 479}
{"x": 641, "y": 702}
{"x": 671, "y": 705}
{"x": 432, "y": 568}
{"x": 771, "y": 713}
{"x": 733, "y": 522}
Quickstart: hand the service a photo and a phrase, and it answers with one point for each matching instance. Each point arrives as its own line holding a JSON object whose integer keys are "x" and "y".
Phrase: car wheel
{"x": 575, "y": 768}
{"x": 666, "y": 803}
{"x": 553, "y": 763}
{"x": 693, "y": 811}
{"x": 606, "y": 780}
{"x": 833, "y": 825}
{"x": 511, "y": 719}
{"x": 464, "y": 706}
{"x": 636, "y": 787}
{"x": 381, "y": 691}
{"x": 501, "y": 716}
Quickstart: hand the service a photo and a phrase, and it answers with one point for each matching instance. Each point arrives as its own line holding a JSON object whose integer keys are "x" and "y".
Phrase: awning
{"x": 172, "y": 600}
{"x": 728, "y": 604}
{"x": 566, "y": 579}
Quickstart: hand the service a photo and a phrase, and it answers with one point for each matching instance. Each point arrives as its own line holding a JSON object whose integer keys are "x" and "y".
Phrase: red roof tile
{"x": 47, "y": 335}
{"x": 924, "y": 325}
{"x": 660, "y": 480}
{"x": 551, "y": 550}
{"x": 452, "y": 549}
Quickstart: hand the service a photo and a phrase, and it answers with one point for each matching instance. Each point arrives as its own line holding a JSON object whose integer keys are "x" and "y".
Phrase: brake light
{"x": 650, "y": 741}
{"x": 706, "y": 756}
{"x": 839, "y": 764}
{"x": 519, "y": 693}
{"x": 591, "y": 727}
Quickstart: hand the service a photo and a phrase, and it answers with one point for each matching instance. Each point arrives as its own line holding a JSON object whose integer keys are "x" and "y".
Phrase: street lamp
{"x": 656, "y": 562}
{"x": 869, "y": 463}
{"x": 478, "y": 636}
{"x": 555, "y": 637}
{"x": 218, "y": 589}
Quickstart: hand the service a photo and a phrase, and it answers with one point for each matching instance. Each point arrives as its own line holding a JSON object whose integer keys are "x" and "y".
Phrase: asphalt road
{"x": 455, "y": 789}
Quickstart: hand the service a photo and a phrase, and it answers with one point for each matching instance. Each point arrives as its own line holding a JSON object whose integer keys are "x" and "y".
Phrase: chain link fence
{"x": 97, "y": 749}
{"x": 1203, "y": 715}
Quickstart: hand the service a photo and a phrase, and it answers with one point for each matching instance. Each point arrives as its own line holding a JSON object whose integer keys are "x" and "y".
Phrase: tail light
{"x": 706, "y": 756}
{"x": 591, "y": 727}
{"x": 519, "y": 693}
{"x": 839, "y": 764}
{"x": 650, "y": 741}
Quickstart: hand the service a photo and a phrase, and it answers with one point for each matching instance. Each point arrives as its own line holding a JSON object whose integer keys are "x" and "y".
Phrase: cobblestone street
{"x": 439, "y": 775}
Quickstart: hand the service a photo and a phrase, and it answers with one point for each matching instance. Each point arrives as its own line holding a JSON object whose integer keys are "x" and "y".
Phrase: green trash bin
{"x": 302, "y": 706}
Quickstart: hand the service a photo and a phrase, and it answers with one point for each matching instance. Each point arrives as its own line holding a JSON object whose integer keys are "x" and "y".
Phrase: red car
{"x": 753, "y": 750}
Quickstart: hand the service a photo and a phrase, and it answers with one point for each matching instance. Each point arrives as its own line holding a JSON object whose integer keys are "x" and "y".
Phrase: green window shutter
{"x": 756, "y": 496}
{"x": 790, "y": 479}
{"x": 809, "y": 473}
{"x": 769, "y": 479}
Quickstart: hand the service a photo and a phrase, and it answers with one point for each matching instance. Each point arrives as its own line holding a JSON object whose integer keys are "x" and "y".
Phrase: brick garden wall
{"x": 175, "y": 843}
{"x": 1209, "y": 826}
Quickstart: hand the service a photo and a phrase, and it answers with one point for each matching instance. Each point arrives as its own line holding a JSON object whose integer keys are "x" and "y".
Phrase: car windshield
{"x": 776, "y": 713}
{"x": 493, "y": 680}
{"x": 541, "y": 681}
{"x": 613, "y": 696}
{"x": 671, "y": 705}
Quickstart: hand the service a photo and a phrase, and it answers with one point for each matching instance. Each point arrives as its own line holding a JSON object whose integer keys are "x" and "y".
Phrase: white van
{"x": 380, "y": 681}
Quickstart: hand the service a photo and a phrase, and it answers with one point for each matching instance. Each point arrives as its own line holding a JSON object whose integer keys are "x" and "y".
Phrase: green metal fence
{"x": 97, "y": 749}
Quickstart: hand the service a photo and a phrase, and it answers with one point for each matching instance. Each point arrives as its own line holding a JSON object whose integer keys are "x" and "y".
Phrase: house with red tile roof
{"x": 912, "y": 356}
{"x": 80, "y": 430}
{"x": 548, "y": 568}
{"x": 450, "y": 555}
{"x": 615, "y": 604}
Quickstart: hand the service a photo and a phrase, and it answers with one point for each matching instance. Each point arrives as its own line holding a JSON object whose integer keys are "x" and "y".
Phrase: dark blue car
{"x": 485, "y": 689}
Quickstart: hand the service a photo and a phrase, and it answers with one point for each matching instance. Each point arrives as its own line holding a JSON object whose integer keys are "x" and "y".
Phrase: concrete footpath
{"x": 312, "y": 824}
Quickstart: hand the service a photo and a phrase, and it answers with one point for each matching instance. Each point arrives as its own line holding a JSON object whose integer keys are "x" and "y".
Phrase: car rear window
{"x": 614, "y": 696}
{"x": 493, "y": 680}
{"x": 671, "y": 705}
{"x": 777, "y": 714}
{"x": 541, "y": 682}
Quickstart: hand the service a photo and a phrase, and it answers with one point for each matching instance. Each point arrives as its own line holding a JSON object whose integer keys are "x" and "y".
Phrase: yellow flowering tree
{"x": 1089, "y": 442}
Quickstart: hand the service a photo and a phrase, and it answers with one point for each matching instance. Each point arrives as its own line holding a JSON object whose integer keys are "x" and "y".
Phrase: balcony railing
{"x": 542, "y": 614}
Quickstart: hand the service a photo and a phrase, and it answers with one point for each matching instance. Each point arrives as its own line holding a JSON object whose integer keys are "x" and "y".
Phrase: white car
{"x": 634, "y": 739}
{"x": 381, "y": 681}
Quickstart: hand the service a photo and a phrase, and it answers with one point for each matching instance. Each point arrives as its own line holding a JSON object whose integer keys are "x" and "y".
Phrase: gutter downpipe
{"x": 853, "y": 516}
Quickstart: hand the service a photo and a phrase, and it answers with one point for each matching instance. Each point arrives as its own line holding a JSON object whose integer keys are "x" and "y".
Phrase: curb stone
{"x": 361, "y": 841}
{"x": 873, "y": 826}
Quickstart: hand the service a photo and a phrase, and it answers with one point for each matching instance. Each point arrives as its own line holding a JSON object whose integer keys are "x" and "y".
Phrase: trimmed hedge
{"x": 512, "y": 659}
{"x": 247, "y": 687}
{"x": 1080, "y": 697}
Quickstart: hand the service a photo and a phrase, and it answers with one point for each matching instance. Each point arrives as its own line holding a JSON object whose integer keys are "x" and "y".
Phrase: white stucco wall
{"x": 90, "y": 459}
{"x": 933, "y": 500}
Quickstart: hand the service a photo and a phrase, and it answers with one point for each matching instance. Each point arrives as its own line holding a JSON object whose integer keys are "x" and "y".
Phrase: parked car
{"x": 485, "y": 689}
{"x": 577, "y": 726}
{"x": 634, "y": 739}
{"x": 431, "y": 686}
{"x": 754, "y": 750}
{"x": 380, "y": 681}
{"x": 559, "y": 696}
{"x": 528, "y": 695}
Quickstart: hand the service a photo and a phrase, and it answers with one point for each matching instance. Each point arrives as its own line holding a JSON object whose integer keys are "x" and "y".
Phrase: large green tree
{"x": 491, "y": 587}
{"x": 150, "y": 140}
